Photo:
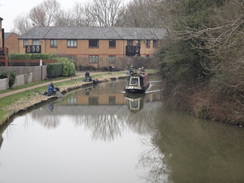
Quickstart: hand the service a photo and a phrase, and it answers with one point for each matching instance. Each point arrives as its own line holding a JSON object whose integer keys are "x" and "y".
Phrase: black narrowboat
{"x": 137, "y": 83}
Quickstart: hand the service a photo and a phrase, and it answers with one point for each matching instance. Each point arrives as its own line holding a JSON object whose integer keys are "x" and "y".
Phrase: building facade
{"x": 91, "y": 45}
{"x": 1, "y": 33}
{"x": 11, "y": 42}
{"x": 3, "y": 49}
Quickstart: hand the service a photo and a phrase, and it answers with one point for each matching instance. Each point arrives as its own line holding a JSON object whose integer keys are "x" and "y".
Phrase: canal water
{"x": 98, "y": 134}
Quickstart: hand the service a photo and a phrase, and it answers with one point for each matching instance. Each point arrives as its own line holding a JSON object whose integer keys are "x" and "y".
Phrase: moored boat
{"x": 137, "y": 82}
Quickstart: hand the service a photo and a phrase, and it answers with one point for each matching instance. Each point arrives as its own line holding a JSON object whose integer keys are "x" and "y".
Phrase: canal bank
{"x": 36, "y": 98}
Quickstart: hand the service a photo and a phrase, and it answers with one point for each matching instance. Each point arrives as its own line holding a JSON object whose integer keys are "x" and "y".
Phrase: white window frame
{"x": 53, "y": 43}
{"x": 71, "y": 43}
{"x": 36, "y": 42}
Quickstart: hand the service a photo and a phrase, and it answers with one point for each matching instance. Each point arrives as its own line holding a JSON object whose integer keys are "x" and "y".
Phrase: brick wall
{"x": 12, "y": 43}
{"x": 83, "y": 49}
{"x": 1, "y": 38}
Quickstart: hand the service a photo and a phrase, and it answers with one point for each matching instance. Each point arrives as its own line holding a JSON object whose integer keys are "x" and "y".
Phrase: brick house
{"x": 3, "y": 49}
{"x": 1, "y": 33}
{"x": 11, "y": 42}
{"x": 91, "y": 45}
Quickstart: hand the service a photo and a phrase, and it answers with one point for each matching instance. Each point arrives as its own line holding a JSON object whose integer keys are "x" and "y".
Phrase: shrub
{"x": 68, "y": 66}
{"x": 54, "y": 70}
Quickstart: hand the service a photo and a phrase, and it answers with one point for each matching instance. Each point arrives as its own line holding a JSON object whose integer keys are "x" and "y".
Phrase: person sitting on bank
{"x": 51, "y": 89}
{"x": 87, "y": 76}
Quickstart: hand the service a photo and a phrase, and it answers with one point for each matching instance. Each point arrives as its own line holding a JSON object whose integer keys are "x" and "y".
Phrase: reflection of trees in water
{"x": 142, "y": 122}
{"x": 152, "y": 161}
{"x": 105, "y": 122}
{"x": 103, "y": 127}
{"x": 200, "y": 151}
{"x": 46, "y": 118}
{"x": 50, "y": 121}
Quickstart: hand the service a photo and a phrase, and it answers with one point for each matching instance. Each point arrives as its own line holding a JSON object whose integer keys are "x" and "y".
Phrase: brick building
{"x": 11, "y": 42}
{"x": 1, "y": 33}
{"x": 91, "y": 45}
{"x": 3, "y": 49}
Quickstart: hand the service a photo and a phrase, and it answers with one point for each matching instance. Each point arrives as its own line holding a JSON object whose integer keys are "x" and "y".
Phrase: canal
{"x": 98, "y": 134}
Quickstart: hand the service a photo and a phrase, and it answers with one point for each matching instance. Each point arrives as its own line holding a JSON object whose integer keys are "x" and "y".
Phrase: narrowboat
{"x": 137, "y": 82}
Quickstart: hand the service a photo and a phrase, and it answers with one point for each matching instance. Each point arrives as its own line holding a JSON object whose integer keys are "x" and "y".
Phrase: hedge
{"x": 54, "y": 70}
{"x": 43, "y": 56}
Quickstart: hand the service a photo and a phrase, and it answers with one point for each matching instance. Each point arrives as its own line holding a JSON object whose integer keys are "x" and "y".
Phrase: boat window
{"x": 134, "y": 81}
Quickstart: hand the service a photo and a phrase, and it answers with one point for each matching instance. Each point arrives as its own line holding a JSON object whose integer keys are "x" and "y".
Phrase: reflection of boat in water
{"x": 135, "y": 102}
{"x": 137, "y": 83}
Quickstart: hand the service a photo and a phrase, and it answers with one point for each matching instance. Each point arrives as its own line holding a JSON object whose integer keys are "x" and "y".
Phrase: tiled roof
{"x": 93, "y": 33}
{"x": 8, "y": 34}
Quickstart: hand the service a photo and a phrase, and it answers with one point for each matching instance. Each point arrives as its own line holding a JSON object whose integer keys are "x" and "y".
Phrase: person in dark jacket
{"x": 51, "y": 89}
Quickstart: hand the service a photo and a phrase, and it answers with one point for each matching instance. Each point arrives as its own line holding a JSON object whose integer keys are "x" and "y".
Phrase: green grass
{"x": 32, "y": 84}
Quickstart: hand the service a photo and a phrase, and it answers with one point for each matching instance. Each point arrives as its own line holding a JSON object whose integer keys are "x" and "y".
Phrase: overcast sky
{"x": 11, "y": 9}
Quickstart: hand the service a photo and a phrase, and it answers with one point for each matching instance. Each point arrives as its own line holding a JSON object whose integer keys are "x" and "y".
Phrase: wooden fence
{"x": 38, "y": 72}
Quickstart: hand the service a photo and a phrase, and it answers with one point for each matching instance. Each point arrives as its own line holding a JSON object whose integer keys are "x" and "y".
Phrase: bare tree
{"x": 22, "y": 24}
{"x": 46, "y": 13}
{"x": 105, "y": 12}
{"x": 80, "y": 15}
{"x": 141, "y": 13}
{"x": 63, "y": 18}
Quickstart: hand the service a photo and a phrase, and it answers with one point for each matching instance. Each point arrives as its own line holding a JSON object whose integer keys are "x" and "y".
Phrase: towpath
{"x": 78, "y": 76}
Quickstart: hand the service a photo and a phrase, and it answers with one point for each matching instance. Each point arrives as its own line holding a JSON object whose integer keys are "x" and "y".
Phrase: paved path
{"x": 79, "y": 75}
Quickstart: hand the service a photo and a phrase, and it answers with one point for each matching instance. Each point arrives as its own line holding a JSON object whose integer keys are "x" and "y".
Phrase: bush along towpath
{"x": 16, "y": 101}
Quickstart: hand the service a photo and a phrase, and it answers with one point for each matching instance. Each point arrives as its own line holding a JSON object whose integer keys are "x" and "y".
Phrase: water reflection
{"x": 199, "y": 151}
{"x": 177, "y": 148}
{"x": 103, "y": 111}
{"x": 135, "y": 102}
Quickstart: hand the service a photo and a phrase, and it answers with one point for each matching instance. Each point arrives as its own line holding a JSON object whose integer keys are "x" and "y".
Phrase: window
{"x": 72, "y": 101}
{"x": 112, "y": 100}
{"x": 112, "y": 57}
{"x": 129, "y": 42}
{"x": 93, "y": 59}
{"x": 148, "y": 43}
{"x": 36, "y": 42}
{"x": 93, "y": 100}
{"x": 71, "y": 43}
{"x": 138, "y": 43}
{"x": 155, "y": 43}
{"x": 112, "y": 43}
{"x": 53, "y": 44}
{"x": 25, "y": 42}
{"x": 93, "y": 43}
{"x": 135, "y": 105}
{"x": 134, "y": 81}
